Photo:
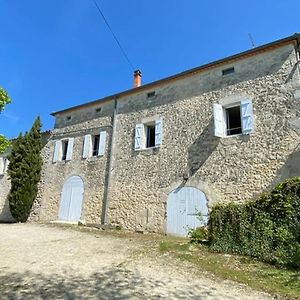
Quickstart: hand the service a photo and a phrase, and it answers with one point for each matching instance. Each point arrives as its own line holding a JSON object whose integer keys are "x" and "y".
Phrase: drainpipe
{"x": 107, "y": 182}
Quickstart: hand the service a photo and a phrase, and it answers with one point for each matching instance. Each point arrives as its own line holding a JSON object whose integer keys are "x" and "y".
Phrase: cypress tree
{"x": 24, "y": 171}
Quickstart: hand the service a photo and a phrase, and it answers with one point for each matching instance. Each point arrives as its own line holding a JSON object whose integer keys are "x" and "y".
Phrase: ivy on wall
{"x": 267, "y": 228}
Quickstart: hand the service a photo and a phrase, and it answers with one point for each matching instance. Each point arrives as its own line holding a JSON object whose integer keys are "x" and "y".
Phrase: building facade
{"x": 158, "y": 156}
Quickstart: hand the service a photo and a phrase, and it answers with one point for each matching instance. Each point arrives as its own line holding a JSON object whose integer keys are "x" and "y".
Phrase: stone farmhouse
{"x": 155, "y": 157}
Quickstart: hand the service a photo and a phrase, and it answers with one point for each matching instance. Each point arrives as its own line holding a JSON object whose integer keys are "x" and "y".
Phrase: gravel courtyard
{"x": 53, "y": 262}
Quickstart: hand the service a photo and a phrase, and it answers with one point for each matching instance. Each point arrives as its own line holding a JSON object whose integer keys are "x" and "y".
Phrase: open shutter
{"x": 139, "y": 137}
{"x": 57, "y": 150}
{"x": 87, "y": 142}
{"x": 247, "y": 116}
{"x": 70, "y": 149}
{"x": 158, "y": 132}
{"x": 2, "y": 165}
{"x": 219, "y": 120}
{"x": 6, "y": 163}
{"x": 102, "y": 143}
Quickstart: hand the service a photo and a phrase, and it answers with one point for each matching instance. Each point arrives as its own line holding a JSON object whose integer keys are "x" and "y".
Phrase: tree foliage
{"x": 4, "y": 99}
{"x": 24, "y": 171}
{"x": 267, "y": 228}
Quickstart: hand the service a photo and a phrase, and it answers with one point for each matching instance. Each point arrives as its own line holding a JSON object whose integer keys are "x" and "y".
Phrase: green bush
{"x": 198, "y": 235}
{"x": 267, "y": 228}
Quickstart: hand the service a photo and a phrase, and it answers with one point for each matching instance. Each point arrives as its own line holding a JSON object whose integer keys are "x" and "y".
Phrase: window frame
{"x": 239, "y": 103}
{"x": 58, "y": 154}
{"x": 226, "y": 107}
{"x": 141, "y": 134}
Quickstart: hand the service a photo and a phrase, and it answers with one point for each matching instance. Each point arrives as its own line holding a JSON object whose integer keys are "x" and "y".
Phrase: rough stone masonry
{"x": 179, "y": 132}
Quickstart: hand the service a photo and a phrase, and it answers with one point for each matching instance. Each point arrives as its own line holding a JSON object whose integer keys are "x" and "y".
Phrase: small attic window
{"x": 151, "y": 94}
{"x": 68, "y": 118}
{"x": 98, "y": 110}
{"x": 228, "y": 71}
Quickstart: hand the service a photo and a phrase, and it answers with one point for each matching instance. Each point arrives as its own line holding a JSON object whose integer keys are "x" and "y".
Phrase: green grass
{"x": 258, "y": 275}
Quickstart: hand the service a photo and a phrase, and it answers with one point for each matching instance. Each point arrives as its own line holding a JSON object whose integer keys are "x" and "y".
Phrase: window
{"x": 228, "y": 71}
{"x": 63, "y": 150}
{"x": 94, "y": 145}
{"x": 68, "y": 118}
{"x": 234, "y": 119}
{"x": 64, "y": 146}
{"x": 98, "y": 110}
{"x": 95, "y": 142}
{"x": 148, "y": 135}
{"x": 151, "y": 94}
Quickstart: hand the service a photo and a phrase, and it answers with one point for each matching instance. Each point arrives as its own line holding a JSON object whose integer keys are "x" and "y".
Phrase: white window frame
{"x": 140, "y": 137}
{"x": 88, "y": 145}
{"x": 58, "y": 150}
{"x": 221, "y": 122}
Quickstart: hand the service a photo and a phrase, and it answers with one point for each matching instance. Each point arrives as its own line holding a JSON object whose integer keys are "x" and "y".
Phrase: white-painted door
{"x": 71, "y": 199}
{"x": 184, "y": 207}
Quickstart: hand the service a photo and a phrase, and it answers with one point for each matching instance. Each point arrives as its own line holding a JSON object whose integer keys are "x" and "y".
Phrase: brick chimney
{"x": 137, "y": 78}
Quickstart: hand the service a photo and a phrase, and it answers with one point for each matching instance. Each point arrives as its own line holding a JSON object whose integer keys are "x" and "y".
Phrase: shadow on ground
{"x": 117, "y": 283}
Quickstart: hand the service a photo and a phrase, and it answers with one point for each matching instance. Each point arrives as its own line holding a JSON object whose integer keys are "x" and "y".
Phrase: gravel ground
{"x": 53, "y": 262}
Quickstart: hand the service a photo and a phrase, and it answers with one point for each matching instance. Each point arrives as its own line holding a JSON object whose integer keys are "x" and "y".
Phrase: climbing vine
{"x": 267, "y": 228}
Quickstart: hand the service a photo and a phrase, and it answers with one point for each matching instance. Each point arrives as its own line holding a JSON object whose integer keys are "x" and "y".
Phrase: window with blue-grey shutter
{"x": 87, "y": 146}
{"x": 139, "y": 137}
{"x": 102, "y": 143}
{"x": 70, "y": 148}
{"x": 57, "y": 151}
{"x": 219, "y": 120}
{"x": 247, "y": 116}
{"x": 158, "y": 132}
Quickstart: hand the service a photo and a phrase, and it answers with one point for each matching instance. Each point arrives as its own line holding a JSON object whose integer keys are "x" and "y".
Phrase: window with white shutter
{"x": 102, "y": 143}
{"x": 70, "y": 144}
{"x": 219, "y": 120}
{"x": 2, "y": 165}
{"x": 158, "y": 132}
{"x": 57, "y": 151}
{"x": 139, "y": 137}
{"x": 233, "y": 119}
{"x": 148, "y": 135}
{"x": 247, "y": 116}
{"x": 87, "y": 141}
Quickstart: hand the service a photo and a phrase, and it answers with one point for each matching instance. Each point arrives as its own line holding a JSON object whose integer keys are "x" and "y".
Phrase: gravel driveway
{"x": 52, "y": 262}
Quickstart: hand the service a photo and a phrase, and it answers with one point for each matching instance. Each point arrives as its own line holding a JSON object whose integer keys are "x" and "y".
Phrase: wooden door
{"x": 186, "y": 209}
{"x": 71, "y": 199}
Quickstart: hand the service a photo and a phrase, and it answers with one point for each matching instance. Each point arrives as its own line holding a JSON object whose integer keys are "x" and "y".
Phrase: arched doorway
{"x": 183, "y": 208}
{"x": 71, "y": 199}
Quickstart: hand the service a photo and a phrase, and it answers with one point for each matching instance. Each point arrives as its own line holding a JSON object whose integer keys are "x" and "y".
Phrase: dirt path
{"x": 49, "y": 262}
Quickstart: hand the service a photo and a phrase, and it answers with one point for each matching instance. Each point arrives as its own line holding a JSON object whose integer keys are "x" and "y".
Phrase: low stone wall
{"x": 5, "y": 215}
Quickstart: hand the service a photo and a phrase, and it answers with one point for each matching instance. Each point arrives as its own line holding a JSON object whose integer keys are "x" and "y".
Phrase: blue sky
{"x": 56, "y": 54}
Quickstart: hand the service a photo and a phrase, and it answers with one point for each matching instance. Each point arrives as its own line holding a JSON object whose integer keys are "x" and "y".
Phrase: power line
{"x": 115, "y": 37}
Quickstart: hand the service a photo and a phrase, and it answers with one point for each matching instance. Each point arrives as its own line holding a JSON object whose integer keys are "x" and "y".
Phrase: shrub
{"x": 267, "y": 228}
{"x": 198, "y": 235}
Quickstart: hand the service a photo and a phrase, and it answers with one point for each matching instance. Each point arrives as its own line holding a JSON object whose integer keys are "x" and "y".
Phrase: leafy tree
{"x": 24, "y": 171}
{"x": 4, "y": 99}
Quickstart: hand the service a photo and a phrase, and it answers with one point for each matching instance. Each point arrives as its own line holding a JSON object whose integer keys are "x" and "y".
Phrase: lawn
{"x": 258, "y": 275}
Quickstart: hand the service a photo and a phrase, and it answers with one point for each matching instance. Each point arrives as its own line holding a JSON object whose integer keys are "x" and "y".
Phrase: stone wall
{"x": 233, "y": 168}
{"x": 92, "y": 170}
{"x": 5, "y": 215}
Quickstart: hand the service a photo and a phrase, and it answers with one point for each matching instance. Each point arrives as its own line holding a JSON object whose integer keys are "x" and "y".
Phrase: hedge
{"x": 267, "y": 228}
